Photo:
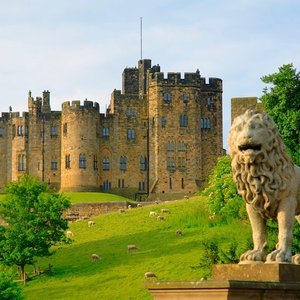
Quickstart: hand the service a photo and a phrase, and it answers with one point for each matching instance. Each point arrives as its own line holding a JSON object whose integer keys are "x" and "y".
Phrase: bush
{"x": 221, "y": 192}
{"x": 9, "y": 290}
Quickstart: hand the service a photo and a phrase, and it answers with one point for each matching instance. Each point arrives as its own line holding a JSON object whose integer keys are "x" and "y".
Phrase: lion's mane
{"x": 261, "y": 182}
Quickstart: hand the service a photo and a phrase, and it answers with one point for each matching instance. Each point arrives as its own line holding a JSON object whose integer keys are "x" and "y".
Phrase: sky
{"x": 78, "y": 49}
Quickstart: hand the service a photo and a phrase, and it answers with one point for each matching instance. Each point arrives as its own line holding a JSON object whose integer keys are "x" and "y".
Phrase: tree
{"x": 282, "y": 101}
{"x": 34, "y": 222}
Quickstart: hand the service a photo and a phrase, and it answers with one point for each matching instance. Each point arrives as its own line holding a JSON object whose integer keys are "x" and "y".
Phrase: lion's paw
{"x": 252, "y": 256}
{"x": 296, "y": 259}
{"x": 279, "y": 256}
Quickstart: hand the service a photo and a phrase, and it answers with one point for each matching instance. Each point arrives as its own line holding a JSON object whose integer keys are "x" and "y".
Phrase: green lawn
{"x": 119, "y": 274}
{"x": 94, "y": 197}
{"x": 89, "y": 197}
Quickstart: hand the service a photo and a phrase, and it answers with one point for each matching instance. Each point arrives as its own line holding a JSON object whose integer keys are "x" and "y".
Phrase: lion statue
{"x": 268, "y": 181}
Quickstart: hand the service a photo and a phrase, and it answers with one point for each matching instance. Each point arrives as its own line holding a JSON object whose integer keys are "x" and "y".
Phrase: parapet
{"x": 190, "y": 78}
{"x": 76, "y": 105}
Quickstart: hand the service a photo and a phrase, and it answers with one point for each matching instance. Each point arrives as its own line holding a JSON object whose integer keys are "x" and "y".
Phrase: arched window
{"x": 130, "y": 134}
{"x": 167, "y": 98}
{"x": 123, "y": 163}
{"x": 105, "y": 132}
{"x": 105, "y": 164}
{"x": 181, "y": 146}
{"x": 82, "y": 161}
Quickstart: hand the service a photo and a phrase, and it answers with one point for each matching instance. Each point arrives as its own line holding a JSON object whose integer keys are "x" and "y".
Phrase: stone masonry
{"x": 159, "y": 136}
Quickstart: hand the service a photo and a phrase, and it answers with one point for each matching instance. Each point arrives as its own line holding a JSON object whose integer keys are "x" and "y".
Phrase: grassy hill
{"x": 119, "y": 274}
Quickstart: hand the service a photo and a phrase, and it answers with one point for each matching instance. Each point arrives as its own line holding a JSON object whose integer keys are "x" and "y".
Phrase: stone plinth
{"x": 236, "y": 282}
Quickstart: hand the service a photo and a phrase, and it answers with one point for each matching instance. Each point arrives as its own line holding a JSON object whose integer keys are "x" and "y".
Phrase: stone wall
{"x": 90, "y": 209}
{"x": 241, "y": 104}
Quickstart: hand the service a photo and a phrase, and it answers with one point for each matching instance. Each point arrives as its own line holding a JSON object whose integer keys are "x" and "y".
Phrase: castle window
{"x": 68, "y": 161}
{"x": 1, "y": 131}
{"x": 141, "y": 186}
{"x": 181, "y": 163}
{"x": 171, "y": 163}
{"x": 105, "y": 164}
{"x": 171, "y": 147}
{"x": 105, "y": 132}
{"x": 123, "y": 183}
{"x": 183, "y": 120}
{"x": 130, "y": 112}
{"x": 95, "y": 162}
{"x": 208, "y": 101}
{"x": 106, "y": 186}
{"x": 185, "y": 98}
{"x": 20, "y": 130}
{"x": 167, "y": 98}
{"x": 181, "y": 146}
{"x": 182, "y": 183}
{"x": 163, "y": 122}
{"x": 21, "y": 162}
{"x": 123, "y": 163}
{"x": 205, "y": 123}
{"x": 65, "y": 128}
{"x": 82, "y": 161}
{"x": 131, "y": 134}
{"x": 53, "y": 131}
{"x": 143, "y": 163}
{"x": 170, "y": 183}
{"x": 54, "y": 165}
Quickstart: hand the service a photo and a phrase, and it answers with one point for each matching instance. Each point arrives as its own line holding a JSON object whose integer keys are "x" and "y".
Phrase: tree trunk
{"x": 23, "y": 274}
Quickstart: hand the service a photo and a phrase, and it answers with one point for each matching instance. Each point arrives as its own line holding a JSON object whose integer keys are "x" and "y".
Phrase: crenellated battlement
{"x": 76, "y": 105}
{"x": 175, "y": 78}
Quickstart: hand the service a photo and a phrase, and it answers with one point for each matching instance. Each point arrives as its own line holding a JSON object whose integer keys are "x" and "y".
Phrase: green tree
{"x": 281, "y": 100}
{"x": 34, "y": 222}
{"x": 221, "y": 191}
{"x": 9, "y": 290}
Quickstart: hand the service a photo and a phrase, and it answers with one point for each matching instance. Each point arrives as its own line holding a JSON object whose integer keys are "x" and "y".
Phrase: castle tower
{"x": 79, "y": 146}
{"x": 184, "y": 117}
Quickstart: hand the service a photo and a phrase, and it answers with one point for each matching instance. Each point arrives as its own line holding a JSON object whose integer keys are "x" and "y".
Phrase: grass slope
{"x": 120, "y": 275}
{"x": 93, "y": 197}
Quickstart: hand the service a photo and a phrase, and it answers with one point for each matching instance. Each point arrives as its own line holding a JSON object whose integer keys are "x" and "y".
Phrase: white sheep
{"x": 91, "y": 223}
{"x": 131, "y": 248}
{"x": 165, "y": 210}
{"x": 178, "y": 232}
{"x": 186, "y": 197}
{"x": 160, "y": 218}
{"x": 129, "y": 206}
{"x": 152, "y": 213}
{"x": 69, "y": 233}
{"x": 121, "y": 210}
{"x": 139, "y": 205}
{"x": 150, "y": 275}
{"x": 95, "y": 257}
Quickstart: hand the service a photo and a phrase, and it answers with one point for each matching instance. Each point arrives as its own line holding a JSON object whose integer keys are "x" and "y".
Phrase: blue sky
{"x": 78, "y": 49}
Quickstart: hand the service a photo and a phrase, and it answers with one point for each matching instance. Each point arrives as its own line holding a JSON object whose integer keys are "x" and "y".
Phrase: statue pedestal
{"x": 236, "y": 282}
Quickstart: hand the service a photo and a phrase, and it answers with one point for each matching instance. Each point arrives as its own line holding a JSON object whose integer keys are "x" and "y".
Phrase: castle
{"x": 159, "y": 136}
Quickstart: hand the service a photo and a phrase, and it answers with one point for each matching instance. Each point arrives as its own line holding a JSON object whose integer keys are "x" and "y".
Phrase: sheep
{"x": 152, "y": 213}
{"x": 186, "y": 197}
{"x": 178, "y": 232}
{"x": 148, "y": 275}
{"x": 69, "y": 233}
{"x": 160, "y": 218}
{"x": 91, "y": 223}
{"x": 129, "y": 206}
{"x": 121, "y": 210}
{"x": 165, "y": 210}
{"x": 95, "y": 257}
{"x": 131, "y": 248}
{"x": 139, "y": 205}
